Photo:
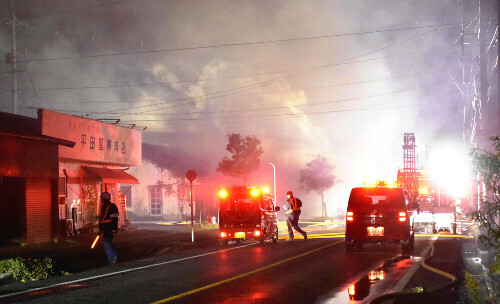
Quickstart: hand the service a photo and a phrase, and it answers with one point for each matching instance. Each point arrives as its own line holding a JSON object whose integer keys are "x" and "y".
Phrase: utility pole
{"x": 14, "y": 56}
{"x": 483, "y": 69}
{"x": 498, "y": 69}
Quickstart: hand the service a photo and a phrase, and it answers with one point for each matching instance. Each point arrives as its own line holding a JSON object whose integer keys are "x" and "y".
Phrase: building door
{"x": 12, "y": 202}
{"x": 38, "y": 210}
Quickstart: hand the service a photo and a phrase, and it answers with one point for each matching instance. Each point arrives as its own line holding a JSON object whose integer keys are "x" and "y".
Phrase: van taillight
{"x": 350, "y": 216}
{"x": 352, "y": 291}
{"x": 402, "y": 216}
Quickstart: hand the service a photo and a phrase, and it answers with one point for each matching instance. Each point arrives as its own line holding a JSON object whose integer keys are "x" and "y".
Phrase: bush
{"x": 487, "y": 165}
{"x": 28, "y": 269}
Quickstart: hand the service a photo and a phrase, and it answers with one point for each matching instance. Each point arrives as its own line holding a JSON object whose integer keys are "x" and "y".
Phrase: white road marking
{"x": 119, "y": 272}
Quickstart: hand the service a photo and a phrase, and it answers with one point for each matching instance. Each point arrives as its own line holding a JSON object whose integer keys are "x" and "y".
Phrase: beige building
{"x": 99, "y": 161}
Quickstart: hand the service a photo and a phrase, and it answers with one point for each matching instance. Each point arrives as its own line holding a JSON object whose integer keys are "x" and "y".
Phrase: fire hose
{"x": 419, "y": 290}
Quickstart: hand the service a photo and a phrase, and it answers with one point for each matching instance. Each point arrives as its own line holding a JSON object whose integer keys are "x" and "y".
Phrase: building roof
{"x": 172, "y": 159}
{"x": 109, "y": 176}
{"x": 27, "y": 127}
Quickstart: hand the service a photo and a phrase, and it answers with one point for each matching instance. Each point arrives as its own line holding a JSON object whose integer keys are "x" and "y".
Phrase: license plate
{"x": 239, "y": 235}
{"x": 375, "y": 231}
{"x": 376, "y": 275}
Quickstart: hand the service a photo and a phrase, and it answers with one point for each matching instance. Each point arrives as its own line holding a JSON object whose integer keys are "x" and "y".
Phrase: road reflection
{"x": 375, "y": 283}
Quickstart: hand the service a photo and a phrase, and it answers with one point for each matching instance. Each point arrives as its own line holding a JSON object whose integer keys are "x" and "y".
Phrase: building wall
{"x": 150, "y": 176}
{"x": 21, "y": 157}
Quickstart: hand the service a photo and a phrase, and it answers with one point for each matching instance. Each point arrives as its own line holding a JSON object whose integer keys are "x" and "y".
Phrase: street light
{"x": 274, "y": 178}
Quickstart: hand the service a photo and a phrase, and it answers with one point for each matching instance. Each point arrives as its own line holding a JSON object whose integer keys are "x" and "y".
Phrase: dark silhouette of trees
{"x": 245, "y": 158}
{"x": 317, "y": 177}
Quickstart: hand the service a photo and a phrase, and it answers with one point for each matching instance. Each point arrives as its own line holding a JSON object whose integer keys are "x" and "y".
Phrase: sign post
{"x": 191, "y": 176}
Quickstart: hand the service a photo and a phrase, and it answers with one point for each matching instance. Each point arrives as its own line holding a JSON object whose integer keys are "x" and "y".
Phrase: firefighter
{"x": 108, "y": 224}
{"x": 292, "y": 208}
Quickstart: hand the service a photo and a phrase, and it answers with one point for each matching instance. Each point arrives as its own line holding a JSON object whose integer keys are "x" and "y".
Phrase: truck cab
{"x": 247, "y": 213}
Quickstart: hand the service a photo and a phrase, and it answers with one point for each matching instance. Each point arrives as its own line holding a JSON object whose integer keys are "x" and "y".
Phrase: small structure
{"x": 28, "y": 181}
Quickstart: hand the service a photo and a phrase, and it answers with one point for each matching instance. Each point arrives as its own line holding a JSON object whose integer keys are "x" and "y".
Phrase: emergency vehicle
{"x": 247, "y": 213}
{"x": 379, "y": 213}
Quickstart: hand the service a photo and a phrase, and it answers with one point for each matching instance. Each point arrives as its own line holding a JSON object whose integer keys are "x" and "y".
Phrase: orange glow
{"x": 223, "y": 234}
{"x": 257, "y": 233}
{"x": 254, "y": 192}
{"x": 352, "y": 290}
{"x": 266, "y": 190}
{"x": 223, "y": 193}
{"x": 350, "y": 216}
{"x": 376, "y": 275}
{"x": 95, "y": 242}
{"x": 423, "y": 191}
{"x": 380, "y": 184}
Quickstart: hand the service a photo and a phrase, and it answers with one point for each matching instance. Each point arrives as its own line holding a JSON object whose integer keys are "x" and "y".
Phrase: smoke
{"x": 330, "y": 78}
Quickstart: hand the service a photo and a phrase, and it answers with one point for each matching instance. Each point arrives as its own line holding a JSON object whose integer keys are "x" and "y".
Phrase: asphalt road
{"x": 314, "y": 271}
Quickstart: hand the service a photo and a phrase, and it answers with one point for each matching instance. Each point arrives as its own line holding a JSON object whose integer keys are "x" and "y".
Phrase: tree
{"x": 177, "y": 186}
{"x": 487, "y": 166}
{"x": 317, "y": 177}
{"x": 245, "y": 159}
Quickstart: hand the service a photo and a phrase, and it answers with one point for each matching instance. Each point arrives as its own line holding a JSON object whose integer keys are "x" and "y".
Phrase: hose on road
{"x": 419, "y": 290}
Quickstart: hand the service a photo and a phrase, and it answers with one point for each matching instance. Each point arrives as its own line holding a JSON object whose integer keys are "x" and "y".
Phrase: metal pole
{"x": 14, "y": 56}
{"x": 191, "y": 204}
{"x": 274, "y": 179}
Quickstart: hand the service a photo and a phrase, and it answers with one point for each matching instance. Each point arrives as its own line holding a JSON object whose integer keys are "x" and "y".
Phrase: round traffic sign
{"x": 191, "y": 175}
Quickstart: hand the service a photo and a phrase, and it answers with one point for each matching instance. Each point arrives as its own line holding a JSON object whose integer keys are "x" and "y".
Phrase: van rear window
{"x": 377, "y": 197}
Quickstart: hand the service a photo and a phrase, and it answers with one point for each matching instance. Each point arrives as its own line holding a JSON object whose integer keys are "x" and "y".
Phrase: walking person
{"x": 292, "y": 208}
{"x": 108, "y": 224}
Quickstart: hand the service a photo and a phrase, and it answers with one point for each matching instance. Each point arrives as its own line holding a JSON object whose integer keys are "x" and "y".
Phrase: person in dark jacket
{"x": 108, "y": 224}
{"x": 292, "y": 208}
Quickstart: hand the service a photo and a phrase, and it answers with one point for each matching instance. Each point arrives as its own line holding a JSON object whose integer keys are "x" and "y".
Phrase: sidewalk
{"x": 73, "y": 253}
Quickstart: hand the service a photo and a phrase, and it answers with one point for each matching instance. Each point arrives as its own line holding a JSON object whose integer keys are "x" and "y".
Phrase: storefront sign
{"x": 95, "y": 141}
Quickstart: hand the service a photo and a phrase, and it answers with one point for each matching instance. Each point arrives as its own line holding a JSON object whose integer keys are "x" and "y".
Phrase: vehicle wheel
{"x": 358, "y": 246}
{"x": 226, "y": 242}
{"x": 349, "y": 247}
{"x": 405, "y": 249}
{"x": 408, "y": 247}
{"x": 238, "y": 241}
{"x": 262, "y": 239}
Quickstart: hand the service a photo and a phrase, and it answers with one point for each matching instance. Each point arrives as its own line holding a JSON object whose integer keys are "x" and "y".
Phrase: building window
{"x": 155, "y": 195}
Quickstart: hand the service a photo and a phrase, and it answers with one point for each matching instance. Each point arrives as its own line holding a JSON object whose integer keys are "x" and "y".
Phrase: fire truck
{"x": 247, "y": 213}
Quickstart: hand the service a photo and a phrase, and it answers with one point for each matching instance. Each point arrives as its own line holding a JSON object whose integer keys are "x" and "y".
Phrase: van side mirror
{"x": 277, "y": 208}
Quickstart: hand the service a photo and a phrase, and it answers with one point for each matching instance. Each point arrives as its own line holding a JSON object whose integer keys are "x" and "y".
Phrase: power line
{"x": 239, "y": 44}
{"x": 231, "y": 91}
{"x": 257, "y": 118}
{"x": 208, "y": 79}
{"x": 273, "y": 92}
{"x": 266, "y": 109}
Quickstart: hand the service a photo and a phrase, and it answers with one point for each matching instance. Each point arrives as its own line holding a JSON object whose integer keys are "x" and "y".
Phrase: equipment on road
{"x": 247, "y": 213}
